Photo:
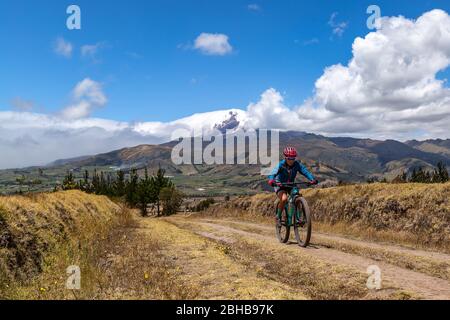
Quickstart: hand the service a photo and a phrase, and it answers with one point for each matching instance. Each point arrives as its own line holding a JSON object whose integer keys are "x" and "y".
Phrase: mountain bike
{"x": 295, "y": 214}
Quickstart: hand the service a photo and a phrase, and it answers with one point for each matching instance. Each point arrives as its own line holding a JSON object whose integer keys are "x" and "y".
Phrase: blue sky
{"x": 149, "y": 72}
{"x": 138, "y": 70}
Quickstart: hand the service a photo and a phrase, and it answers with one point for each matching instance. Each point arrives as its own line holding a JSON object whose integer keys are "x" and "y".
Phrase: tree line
{"x": 420, "y": 175}
{"x": 138, "y": 192}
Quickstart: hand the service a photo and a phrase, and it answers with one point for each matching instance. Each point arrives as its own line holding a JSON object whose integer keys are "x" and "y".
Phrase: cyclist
{"x": 285, "y": 172}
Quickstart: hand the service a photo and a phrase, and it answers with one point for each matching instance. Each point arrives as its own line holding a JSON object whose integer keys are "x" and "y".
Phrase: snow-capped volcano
{"x": 229, "y": 124}
{"x": 198, "y": 123}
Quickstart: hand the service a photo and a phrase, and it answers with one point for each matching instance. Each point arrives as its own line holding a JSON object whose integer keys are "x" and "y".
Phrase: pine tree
{"x": 413, "y": 176}
{"x": 420, "y": 175}
{"x": 84, "y": 184}
{"x": 160, "y": 182}
{"x": 119, "y": 184}
{"x": 131, "y": 188}
{"x": 69, "y": 182}
{"x": 144, "y": 193}
{"x": 404, "y": 177}
{"x": 171, "y": 200}
{"x": 109, "y": 186}
{"x": 441, "y": 174}
{"x": 95, "y": 183}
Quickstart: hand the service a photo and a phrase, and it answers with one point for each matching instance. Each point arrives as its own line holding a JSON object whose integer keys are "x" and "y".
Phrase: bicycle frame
{"x": 291, "y": 208}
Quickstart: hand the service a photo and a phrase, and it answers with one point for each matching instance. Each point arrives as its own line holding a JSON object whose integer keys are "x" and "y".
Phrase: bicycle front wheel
{"x": 303, "y": 223}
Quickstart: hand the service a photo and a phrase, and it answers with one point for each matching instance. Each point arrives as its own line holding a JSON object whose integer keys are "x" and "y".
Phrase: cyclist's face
{"x": 290, "y": 161}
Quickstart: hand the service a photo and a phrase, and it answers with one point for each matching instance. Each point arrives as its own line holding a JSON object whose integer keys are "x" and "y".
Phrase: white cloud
{"x": 254, "y": 7}
{"x": 86, "y": 96}
{"x": 91, "y": 50}
{"x": 213, "y": 44}
{"x": 37, "y": 139}
{"x": 63, "y": 48}
{"x": 338, "y": 27}
{"x": 389, "y": 88}
{"x": 309, "y": 42}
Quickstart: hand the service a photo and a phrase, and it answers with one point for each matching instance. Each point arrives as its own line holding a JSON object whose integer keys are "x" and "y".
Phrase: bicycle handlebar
{"x": 294, "y": 184}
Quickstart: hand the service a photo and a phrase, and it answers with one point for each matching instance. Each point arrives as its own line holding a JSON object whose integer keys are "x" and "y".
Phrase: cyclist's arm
{"x": 274, "y": 174}
{"x": 305, "y": 172}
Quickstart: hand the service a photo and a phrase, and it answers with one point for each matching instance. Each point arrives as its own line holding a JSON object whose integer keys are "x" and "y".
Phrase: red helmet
{"x": 290, "y": 152}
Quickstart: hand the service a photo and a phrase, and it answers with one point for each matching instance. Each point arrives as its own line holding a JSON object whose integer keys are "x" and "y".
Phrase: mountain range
{"x": 329, "y": 158}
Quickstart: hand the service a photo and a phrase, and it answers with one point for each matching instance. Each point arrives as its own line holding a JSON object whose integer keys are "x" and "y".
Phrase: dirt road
{"x": 232, "y": 259}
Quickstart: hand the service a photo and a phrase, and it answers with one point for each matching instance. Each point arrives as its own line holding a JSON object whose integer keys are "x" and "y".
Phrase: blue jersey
{"x": 282, "y": 173}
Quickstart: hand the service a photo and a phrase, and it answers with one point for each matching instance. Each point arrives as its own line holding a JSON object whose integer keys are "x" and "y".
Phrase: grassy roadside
{"x": 41, "y": 235}
{"x": 415, "y": 215}
{"x": 208, "y": 266}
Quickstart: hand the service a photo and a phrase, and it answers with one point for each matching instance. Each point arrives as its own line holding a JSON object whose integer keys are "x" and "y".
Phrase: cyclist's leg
{"x": 282, "y": 199}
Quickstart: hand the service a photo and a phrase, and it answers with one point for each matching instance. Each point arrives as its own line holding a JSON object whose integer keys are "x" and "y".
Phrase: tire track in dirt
{"x": 434, "y": 264}
{"x": 424, "y": 285}
{"x": 438, "y": 256}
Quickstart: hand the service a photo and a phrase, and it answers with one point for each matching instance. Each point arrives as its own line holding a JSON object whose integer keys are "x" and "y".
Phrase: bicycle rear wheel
{"x": 303, "y": 223}
{"x": 282, "y": 228}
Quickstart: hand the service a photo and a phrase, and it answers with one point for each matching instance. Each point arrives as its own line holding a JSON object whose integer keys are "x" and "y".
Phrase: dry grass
{"x": 136, "y": 268}
{"x": 210, "y": 265}
{"x": 411, "y": 214}
{"x": 42, "y": 234}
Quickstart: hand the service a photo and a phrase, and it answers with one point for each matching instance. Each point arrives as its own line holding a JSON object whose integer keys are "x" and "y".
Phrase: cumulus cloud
{"x": 389, "y": 87}
{"x": 388, "y": 90}
{"x": 213, "y": 44}
{"x": 63, "y": 48}
{"x": 86, "y": 96}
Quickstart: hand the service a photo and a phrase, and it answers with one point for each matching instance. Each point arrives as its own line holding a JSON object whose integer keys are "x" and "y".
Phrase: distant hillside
{"x": 329, "y": 158}
{"x": 438, "y": 146}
